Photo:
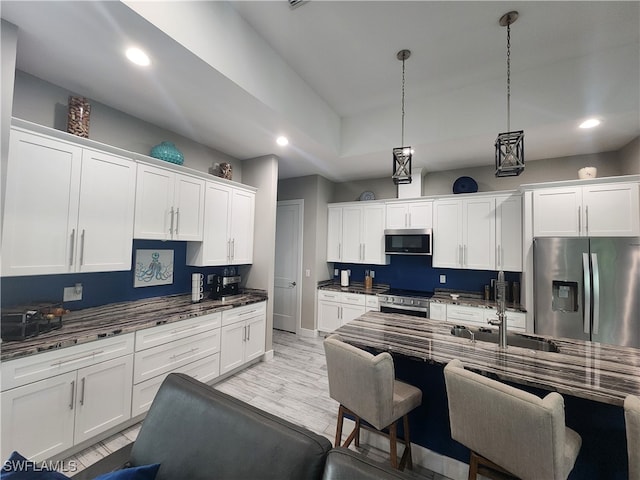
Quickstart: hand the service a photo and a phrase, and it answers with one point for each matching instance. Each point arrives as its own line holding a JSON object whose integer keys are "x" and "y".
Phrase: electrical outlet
{"x": 372, "y": 274}
{"x": 307, "y": 273}
{"x": 335, "y": 272}
{"x": 349, "y": 272}
{"x": 72, "y": 294}
{"x": 210, "y": 279}
{"x": 443, "y": 279}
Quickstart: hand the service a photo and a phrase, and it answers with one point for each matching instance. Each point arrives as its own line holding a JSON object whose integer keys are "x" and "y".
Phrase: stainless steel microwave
{"x": 408, "y": 241}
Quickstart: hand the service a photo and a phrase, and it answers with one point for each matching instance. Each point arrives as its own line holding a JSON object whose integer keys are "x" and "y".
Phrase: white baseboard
{"x": 267, "y": 356}
{"x": 449, "y": 467}
{"x": 305, "y": 332}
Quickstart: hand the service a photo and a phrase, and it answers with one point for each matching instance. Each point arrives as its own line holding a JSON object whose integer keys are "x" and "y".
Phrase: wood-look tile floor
{"x": 292, "y": 386}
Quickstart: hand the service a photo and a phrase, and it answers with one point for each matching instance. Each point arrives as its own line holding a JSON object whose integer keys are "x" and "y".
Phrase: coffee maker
{"x": 224, "y": 286}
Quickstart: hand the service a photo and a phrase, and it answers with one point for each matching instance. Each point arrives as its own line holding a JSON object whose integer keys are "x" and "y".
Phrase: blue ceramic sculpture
{"x": 168, "y": 152}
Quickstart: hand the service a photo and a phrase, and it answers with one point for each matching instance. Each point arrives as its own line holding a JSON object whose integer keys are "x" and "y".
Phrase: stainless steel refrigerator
{"x": 588, "y": 288}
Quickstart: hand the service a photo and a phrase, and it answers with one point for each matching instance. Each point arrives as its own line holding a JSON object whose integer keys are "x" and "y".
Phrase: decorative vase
{"x": 587, "y": 172}
{"x": 168, "y": 152}
{"x": 78, "y": 116}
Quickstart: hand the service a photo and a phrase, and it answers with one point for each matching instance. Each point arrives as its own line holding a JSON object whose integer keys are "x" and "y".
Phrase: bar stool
{"x": 366, "y": 388}
{"x": 509, "y": 430}
{"x": 632, "y": 423}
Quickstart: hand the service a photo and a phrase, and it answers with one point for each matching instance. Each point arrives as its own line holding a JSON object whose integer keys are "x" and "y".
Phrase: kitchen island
{"x": 593, "y": 378}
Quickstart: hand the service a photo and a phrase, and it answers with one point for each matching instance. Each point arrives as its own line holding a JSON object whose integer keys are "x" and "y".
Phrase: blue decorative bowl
{"x": 168, "y": 152}
{"x": 465, "y": 185}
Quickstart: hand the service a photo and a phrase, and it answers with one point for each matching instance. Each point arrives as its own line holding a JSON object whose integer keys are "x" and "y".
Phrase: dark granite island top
{"x": 90, "y": 324}
{"x": 593, "y": 371}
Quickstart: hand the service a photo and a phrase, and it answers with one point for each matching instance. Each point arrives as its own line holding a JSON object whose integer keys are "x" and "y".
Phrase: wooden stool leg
{"x": 339, "y": 426}
{"x": 393, "y": 445}
{"x": 406, "y": 455}
{"x": 357, "y": 431}
{"x": 473, "y": 466}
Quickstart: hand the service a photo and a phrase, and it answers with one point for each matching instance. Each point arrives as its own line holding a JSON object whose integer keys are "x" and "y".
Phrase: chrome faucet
{"x": 473, "y": 336}
{"x": 502, "y": 318}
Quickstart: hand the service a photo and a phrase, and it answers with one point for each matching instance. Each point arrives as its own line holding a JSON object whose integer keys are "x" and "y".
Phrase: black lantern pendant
{"x": 509, "y": 145}
{"x": 402, "y": 155}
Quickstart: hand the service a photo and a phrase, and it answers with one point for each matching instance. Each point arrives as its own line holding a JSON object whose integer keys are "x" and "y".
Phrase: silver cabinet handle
{"x": 596, "y": 292}
{"x": 244, "y": 334}
{"x": 579, "y": 221}
{"x": 177, "y": 355}
{"x": 177, "y": 221}
{"x": 460, "y": 254}
{"x": 73, "y": 244}
{"x": 233, "y": 248}
{"x": 82, "y": 385}
{"x": 464, "y": 255}
{"x": 171, "y": 227}
{"x": 587, "y": 293}
{"x": 586, "y": 219}
{"x": 340, "y": 251}
{"x": 406, "y": 221}
{"x": 229, "y": 250}
{"x": 82, "y": 248}
{"x": 73, "y": 394}
{"x": 248, "y": 332}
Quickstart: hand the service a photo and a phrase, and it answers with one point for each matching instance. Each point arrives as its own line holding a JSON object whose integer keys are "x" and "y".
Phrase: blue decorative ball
{"x": 168, "y": 152}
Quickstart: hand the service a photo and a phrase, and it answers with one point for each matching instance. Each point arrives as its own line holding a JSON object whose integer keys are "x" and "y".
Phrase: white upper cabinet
{"x": 418, "y": 214}
{"x": 355, "y": 234}
{"x": 229, "y": 215}
{"x": 68, "y": 208}
{"x": 592, "y": 210}
{"x": 464, "y": 233}
{"x": 169, "y": 205}
{"x": 509, "y": 233}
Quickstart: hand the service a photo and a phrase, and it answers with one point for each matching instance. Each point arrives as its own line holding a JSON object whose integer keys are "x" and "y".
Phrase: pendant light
{"x": 402, "y": 155}
{"x": 509, "y": 145}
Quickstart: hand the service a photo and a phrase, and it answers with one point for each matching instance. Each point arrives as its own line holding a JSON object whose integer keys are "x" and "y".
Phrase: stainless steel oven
{"x": 406, "y": 302}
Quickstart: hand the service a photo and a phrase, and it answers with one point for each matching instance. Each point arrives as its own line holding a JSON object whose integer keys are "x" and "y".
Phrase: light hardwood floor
{"x": 293, "y": 385}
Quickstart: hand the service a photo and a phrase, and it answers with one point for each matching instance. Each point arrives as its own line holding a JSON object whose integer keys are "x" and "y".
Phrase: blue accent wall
{"x": 106, "y": 287}
{"x": 413, "y": 272}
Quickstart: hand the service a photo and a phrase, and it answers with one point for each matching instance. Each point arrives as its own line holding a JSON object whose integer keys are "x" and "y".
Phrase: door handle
{"x": 82, "y": 248}
{"x": 586, "y": 220}
{"x": 233, "y": 249}
{"x": 177, "y": 220}
{"x": 73, "y": 394}
{"x": 464, "y": 255}
{"x": 579, "y": 221}
{"x": 171, "y": 227}
{"x": 292, "y": 284}
{"x": 82, "y": 385}
{"x": 587, "y": 293}
{"x": 73, "y": 243}
{"x": 248, "y": 332}
{"x": 596, "y": 292}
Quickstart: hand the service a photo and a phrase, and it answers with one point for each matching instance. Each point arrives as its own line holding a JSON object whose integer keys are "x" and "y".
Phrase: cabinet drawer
{"x": 152, "y": 337}
{"x": 242, "y": 313}
{"x": 515, "y": 320}
{"x": 329, "y": 296}
{"x": 371, "y": 301}
{"x": 44, "y": 365}
{"x": 458, "y": 313}
{"x": 165, "y": 358}
{"x": 354, "y": 299}
{"x": 204, "y": 370}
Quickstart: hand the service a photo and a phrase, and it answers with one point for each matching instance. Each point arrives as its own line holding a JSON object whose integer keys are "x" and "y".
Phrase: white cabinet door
{"x": 479, "y": 233}
{"x": 188, "y": 204}
{"x": 334, "y": 234}
{"x": 154, "y": 203}
{"x": 373, "y": 220}
{"x": 438, "y": 311}
{"x": 41, "y": 205}
{"x": 254, "y": 343}
{"x": 557, "y": 212}
{"x": 447, "y": 234}
{"x": 396, "y": 216}
{"x": 103, "y": 397}
{"x": 105, "y": 218}
{"x": 242, "y": 219}
{"x": 328, "y": 316}
{"x": 611, "y": 210}
{"x": 420, "y": 214}
{"x": 509, "y": 233}
{"x": 231, "y": 347}
{"x": 352, "y": 234}
{"x": 350, "y": 312}
{"x": 38, "y": 418}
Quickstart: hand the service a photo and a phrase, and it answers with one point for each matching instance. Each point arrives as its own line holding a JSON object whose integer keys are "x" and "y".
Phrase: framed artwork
{"x": 153, "y": 267}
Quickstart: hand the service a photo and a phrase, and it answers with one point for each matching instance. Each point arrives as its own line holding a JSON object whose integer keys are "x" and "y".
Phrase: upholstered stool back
{"x": 632, "y": 421}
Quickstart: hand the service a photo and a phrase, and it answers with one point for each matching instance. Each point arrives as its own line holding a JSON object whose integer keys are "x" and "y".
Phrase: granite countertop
{"x": 470, "y": 299}
{"x": 595, "y": 371}
{"x": 354, "y": 287}
{"x": 90, "y": 324}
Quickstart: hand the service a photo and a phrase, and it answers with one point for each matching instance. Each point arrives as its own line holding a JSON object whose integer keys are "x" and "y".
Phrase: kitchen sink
{"x": 513, "y": 339}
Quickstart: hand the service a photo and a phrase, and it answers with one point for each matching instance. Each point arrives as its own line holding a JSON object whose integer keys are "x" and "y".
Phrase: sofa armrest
{"x": 343, "y": 463}
{"x": 115, "y": 461}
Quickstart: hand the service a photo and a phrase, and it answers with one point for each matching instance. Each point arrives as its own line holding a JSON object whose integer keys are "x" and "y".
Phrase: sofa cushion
{"x": 143, "y": 472}
{"x": 196, "y": 432}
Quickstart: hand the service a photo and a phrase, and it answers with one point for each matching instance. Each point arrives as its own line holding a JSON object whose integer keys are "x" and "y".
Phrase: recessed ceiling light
{"x": 590, "y": 123}
{"x": 282, "y": 141}
{"x": 138, "y": 57}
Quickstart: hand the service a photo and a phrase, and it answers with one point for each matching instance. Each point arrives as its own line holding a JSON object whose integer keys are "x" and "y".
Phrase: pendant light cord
{"x": 402, "y": 134}
{"x": 508, "y": 77}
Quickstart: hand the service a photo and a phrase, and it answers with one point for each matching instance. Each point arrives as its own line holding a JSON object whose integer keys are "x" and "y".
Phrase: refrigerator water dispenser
{"x": 564, "y": 296}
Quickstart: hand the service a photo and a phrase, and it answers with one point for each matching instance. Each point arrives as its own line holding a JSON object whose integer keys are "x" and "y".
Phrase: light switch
{"x": 443, "y": 279}
{"x": 307, "y": 273}
{"x": 372, "y": 274}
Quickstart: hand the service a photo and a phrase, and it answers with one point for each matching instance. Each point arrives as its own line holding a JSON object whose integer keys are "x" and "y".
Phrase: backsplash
{"x": 105, "y": 287}
{"x": 416, "y": 273}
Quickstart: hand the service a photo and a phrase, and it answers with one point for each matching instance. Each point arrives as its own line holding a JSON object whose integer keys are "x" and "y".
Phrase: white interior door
{"x": 287, "y": 292}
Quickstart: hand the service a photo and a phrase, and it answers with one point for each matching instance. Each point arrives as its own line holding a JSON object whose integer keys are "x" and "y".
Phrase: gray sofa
{"x": 198, "y": 433}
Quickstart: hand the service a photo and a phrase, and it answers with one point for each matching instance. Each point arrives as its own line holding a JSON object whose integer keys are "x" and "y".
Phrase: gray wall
{"x": 383, "y": 188}
{"x": 316, "y": 192}
{"x": 630, "y": 158}
{"x": 8, "y": 44}
{"x": 262, "y": 173}
{"x": 43, "y": 103}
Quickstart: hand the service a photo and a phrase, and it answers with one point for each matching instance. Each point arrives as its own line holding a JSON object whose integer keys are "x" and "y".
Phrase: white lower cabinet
{"x": 191, "y": 346}
{"x": 479, "y": 317}
{"x": 242, "y": 336}
{"x": 50, "y": 404}
{"x": 438, "y": 311}
{"x": 337, "y": 308}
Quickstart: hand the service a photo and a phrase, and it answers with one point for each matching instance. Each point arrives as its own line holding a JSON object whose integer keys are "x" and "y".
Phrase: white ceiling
{"x": 570, "y": 60}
